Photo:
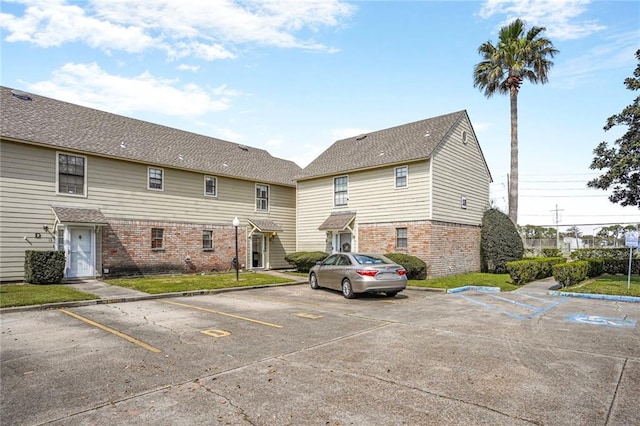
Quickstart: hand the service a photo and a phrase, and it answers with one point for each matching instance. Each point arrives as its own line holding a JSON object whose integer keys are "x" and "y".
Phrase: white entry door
{"x": 257, "y": 251}
{"x": 81, "y": 258}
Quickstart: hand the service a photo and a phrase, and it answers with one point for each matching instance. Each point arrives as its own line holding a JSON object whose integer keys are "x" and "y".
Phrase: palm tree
{"x": 519, "y": 55}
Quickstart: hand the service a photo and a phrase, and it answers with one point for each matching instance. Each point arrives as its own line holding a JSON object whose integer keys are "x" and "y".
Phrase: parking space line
{"x": 112, "y": 331}
{"x": 536, "y": 311}
{"x": 222, "y": 313}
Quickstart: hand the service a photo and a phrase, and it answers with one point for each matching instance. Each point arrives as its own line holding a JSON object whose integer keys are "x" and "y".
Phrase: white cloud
{"x": 185, "y": 67}
{"x": 89, "y": 85}
{"x": 560, "y": 17}
{"x": 207, "y": 30}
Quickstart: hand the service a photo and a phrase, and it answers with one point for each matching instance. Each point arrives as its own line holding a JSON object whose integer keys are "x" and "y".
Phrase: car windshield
{"x": 371, "y": 259}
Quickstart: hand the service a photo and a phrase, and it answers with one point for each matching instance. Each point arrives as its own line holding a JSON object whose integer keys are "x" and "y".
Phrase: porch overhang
{"x": 265, "y": 226}
{"x": 79, "y": 216}
{"x": 338, "y": 221}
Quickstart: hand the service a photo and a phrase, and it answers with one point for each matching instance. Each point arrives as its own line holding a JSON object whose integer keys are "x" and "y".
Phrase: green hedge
{"x": 415, "y": 267}
{"x": 621, "y": 266}
{"x": 619, "y": 253}
{"x": 551, "y": 252}
{"x": 536, "y": 268}
{"x": 595, "y": 267}
{"x": 305, "y": 260}
{"x": 572, "y": 273}
{"x": 44, "y": 267}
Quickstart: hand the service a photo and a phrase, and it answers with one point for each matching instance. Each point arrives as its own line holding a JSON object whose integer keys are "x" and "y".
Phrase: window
{"x": 401, "y": 176}
{"x": 207, "y": 240}
{"x": 463, "y": 202}
{"x": 262, "y": 198}
{"x": 210, "y": 186}
{"x": 340, "y": 188}
{"x": 156, "y": 238}
{"x": 155, "y": 178}
{"x": 71, "y": 174}
{"x": 401, "y": 237}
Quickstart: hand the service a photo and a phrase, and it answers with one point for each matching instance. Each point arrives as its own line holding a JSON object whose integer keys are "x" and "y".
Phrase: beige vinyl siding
{"x": 119, "y": 190}
{"x": 372, "y": 195}
{"x": 459, "y": 170}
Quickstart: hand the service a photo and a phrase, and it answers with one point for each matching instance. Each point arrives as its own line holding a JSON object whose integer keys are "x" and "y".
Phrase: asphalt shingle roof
{"x": 408, "y": 142}
{"x": 64, "y": 125}
{"x": 265, "y": 225}
{"x": 79, "y": 215}
{"x": 337, "y": 220}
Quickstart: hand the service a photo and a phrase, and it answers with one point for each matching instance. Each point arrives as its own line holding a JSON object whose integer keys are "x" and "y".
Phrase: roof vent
{"x": 243, "y": 147}
{"x": 359, "y": 138}
{"x": 181, "y": 157}
{"x": 122, "y": 145}
{"x": 381, "y": 154}
{"x": 426, "y": 135}
{"x": 225, "y": 164}
{"x": 21, "y": 95}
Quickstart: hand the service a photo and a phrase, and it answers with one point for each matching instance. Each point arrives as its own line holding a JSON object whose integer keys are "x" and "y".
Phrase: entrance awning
{"x": 337, "y": 221}
{"x": 265, "y": 225}
{"x": 79, "y": 215}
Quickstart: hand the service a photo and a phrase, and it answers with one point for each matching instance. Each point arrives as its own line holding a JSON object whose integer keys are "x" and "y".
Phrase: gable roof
{"x": 405, "y": 143}
{"x": 39, "y": 120}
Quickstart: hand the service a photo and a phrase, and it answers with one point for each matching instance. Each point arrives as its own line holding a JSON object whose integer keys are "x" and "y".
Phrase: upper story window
{"x": 155, "y": 178}
{"x": 157, "y": 237}
{"x": 72, "y": 174}
{"x": 262, "y": 198}
{"x": 402, "y": 175}
{"x": 210, "y": 186}
{"x": 340, "y": 191}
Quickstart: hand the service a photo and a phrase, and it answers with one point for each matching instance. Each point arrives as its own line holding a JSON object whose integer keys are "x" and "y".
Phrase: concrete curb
{"x": 631, "y": 299}
{"x": 122, "y": 299}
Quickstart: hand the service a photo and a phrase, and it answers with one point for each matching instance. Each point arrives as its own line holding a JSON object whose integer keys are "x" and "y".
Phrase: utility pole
{"x": 557, "y": 221}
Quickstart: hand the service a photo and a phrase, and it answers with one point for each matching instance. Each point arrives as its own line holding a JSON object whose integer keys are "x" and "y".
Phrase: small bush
{"x": 523, "y": 271}
{"x": 44, "y": 267}
{"x": 620, "y": 266}
{"x": 572, "y": 273}
{"x": 499, "y": 242}
{"x": 619, "y": 253}
{"x": 595, "y": 267}
{"x": 305, "y": 260}
{"x": 546, "y": 264}
{"x": 551, "y": 252}
{"x": 415, "y": 267}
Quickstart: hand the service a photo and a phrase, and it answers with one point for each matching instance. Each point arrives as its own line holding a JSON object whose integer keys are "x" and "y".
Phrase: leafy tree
{"x": 499, "y": 242}
{"x": 519, "y": 54}
{"x": 622, "y": 162}
{"x": 535, "y": 232}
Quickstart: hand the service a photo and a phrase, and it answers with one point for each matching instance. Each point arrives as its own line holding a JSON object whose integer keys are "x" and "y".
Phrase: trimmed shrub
{"x": 43, "y": 267}
{"x": 546, "y": 264}
{"x": 415, "y": 267}
{"x": 595, "y": 267}
{"x": 523, "y": 271}
{"x": 499, "y": 242}
{"x": 551, "y": 252}
{"x": 619, "y": 266}
{"x": 305, "y": 260}
{"x": 619, "y": 253}
{"x": 572, "y": 273}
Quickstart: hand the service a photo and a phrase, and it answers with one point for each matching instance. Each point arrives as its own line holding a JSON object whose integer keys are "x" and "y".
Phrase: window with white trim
{"x": 401, "y": 238}
{"x": 210, "y": 186}
{"x": 262, "y": 198}
{"x": 402, "y": 176}
{"x": 72, "y": 174}
{"x": 341, "y": 191}
{"x": 207, "y": 240}
{"x": 155, "y": 179}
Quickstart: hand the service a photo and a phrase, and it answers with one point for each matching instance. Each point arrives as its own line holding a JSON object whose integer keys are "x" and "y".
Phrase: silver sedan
{"x": 359, "y": 273}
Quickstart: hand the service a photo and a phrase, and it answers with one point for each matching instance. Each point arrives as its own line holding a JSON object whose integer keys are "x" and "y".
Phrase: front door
{"x": 344, "y": 244}
{"x": 257, "y": 251}
{"x": 81, "y": 259}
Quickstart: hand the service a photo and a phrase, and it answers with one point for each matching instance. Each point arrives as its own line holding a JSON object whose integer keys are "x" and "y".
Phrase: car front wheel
{"x": 347, "y": 291}
{"x": 313, "y": 281}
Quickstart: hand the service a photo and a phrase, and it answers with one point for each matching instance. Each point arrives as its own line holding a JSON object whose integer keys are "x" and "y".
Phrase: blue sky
{"x": 292, "y": 77}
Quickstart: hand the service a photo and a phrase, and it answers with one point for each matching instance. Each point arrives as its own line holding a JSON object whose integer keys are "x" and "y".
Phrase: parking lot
{"x": 291, "y": 355}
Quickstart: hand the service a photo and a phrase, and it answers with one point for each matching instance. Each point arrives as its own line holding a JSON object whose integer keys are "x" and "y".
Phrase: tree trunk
{"x": 513, "y": 175}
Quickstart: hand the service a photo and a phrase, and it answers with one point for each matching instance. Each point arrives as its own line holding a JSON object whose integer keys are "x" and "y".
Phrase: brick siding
{"x": 446, "y": 248}
{"x": 126, "y": 248}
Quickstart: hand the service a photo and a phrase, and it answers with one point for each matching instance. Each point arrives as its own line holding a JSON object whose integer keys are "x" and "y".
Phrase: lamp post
{"x": 236, "y": 223}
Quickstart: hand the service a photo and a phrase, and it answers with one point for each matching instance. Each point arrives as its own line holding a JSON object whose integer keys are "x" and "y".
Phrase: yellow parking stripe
{"x": 221, "y": 313}
{"x": 112, "y": 331}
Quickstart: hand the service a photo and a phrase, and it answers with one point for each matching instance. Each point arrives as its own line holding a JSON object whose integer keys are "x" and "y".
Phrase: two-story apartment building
{"x": 419, "y": 188}
{"x": 124, "y": 196}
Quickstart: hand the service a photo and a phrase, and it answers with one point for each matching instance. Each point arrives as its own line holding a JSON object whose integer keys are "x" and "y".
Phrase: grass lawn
{"x": 178, "y": 283}
{"x": 608, "y": 284}
{"x": 474, "y": 278}
{"x": 31, "y": 294}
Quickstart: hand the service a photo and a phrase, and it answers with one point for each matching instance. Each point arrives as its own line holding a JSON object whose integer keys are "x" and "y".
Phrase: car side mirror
{"x": 319, "y": 262}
